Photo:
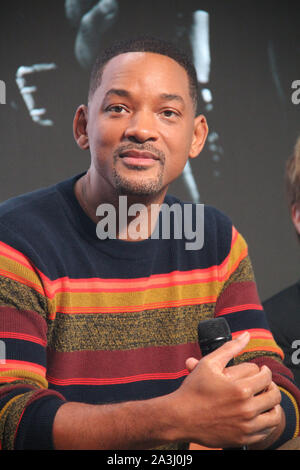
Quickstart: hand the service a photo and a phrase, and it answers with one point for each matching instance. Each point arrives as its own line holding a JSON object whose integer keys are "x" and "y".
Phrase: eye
{"x": 169, "y": 113}
{"x": 117, "y": 109}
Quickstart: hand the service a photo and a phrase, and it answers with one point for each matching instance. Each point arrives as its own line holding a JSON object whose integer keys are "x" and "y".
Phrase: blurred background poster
{"x": 247, "y": 57}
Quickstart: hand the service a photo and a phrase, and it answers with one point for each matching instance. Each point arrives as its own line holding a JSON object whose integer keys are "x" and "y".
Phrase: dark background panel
{"x": 255, "y": 57}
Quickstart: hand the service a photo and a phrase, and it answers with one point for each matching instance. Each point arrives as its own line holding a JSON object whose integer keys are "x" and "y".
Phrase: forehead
{"x": 147, "y": 72}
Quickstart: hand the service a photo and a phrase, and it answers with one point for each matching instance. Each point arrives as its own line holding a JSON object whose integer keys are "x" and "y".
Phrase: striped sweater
{"x": 104, "y": 321}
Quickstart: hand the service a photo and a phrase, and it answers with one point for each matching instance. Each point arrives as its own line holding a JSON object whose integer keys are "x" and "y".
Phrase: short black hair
{"x": 144, "y": 44}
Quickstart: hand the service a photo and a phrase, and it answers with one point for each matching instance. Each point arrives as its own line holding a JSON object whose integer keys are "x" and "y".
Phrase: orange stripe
{"x": 155, "y": 281}
{"x": 118, "y": 380}
{"x": 23, "y": 365}
{"x": 22, "y": 280}
{"x": 51, "y": 288}
{"x": 256, "y": 333}
{"x": 65, "y": 284}
{"x": 237, "y": 308}
{"x": 23, "y": 336}
{"x": 122, "y": 285}
{"x": 7, "y": 379}
{"x": 15, "y": 255}
{"x": 234, "y": 236}
{"x": 136, "y": 308}
{"x": 264, "y": 348}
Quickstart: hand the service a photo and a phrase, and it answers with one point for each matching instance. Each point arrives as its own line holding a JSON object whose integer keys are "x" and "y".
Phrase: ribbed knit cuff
{"x": 35, "y": 428}
{"x": 292, "y": 419}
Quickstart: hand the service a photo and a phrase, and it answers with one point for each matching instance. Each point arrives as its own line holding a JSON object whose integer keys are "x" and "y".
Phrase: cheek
{"x": 179, "y": 147}
{"x": 103, "y": 141}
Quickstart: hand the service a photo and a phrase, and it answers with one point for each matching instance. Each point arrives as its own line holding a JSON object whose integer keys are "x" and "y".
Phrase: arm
{"x": 239, "y": 302}
{"x": 210, "y": 408}
{"x": 27, "y": 406}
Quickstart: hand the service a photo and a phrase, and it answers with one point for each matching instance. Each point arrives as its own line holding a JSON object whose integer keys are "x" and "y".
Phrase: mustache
{"x": 140, "y": 147}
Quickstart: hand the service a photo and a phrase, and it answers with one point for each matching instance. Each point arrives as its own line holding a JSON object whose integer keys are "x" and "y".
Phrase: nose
{"x": 141, "y": 127}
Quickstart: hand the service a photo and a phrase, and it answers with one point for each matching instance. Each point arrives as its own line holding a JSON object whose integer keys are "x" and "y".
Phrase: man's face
{"x": 140, "y": 124}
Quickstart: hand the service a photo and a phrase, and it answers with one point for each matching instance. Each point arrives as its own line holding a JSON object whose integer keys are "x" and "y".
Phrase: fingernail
{"x": 243, "y": 336}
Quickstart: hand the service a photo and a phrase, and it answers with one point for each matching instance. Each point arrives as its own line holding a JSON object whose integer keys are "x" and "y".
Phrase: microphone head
{"x": 213, "y": 329}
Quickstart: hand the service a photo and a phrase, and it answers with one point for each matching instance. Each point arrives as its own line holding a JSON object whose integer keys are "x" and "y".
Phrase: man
{"x": 282, "y": 309}
{"x": 187, "y": 24}
{"x": 101, "y": 334}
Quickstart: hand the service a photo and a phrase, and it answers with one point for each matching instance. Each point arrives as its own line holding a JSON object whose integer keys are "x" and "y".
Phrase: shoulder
{"x": 24, "y": 204}
{"x": 27, "y": 218}
{"x": 209, "y": 236}
{"x": 213, "y": 216}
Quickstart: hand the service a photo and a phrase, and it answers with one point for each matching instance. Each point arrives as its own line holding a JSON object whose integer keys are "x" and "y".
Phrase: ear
{"x": 80, "y": 127}
{"x": 199, "y": 136}
{"x": 295, "y": 214}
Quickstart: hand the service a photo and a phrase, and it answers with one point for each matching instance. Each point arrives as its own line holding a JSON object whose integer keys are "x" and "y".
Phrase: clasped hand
{"x": 223, "y": 407}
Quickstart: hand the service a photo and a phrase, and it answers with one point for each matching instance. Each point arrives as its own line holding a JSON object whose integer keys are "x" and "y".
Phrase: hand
{"x": 227, "y": 407}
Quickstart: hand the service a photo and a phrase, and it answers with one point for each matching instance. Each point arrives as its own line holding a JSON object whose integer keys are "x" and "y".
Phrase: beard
{"x": 138, "y": 186}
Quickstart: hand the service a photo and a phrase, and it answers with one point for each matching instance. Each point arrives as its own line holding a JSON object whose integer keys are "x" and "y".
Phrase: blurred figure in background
{"x": 283, "y": 309}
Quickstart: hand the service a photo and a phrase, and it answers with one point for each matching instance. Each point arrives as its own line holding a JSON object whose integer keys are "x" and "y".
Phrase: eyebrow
{"x": 127, "y": 94}
{"x": 118, "y": 92}
{"x": 172, "y": 97}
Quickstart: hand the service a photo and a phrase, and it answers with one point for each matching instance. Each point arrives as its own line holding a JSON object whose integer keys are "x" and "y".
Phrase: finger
{"x": 265, "y": 422}
{"x": 256, "y": 383}
{"x": 191, "y": 363}
{"x": 221, "y": 356}
{"x": 259, "y": 436}
{"x": 268, "y": 399}
{"x": 246, "y": 369}
{"x": 261, "y": 427}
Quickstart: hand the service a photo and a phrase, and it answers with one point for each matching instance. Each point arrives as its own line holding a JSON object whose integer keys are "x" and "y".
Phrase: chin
{"x": 138, "y": 188}
{"x": 131, "y": 190}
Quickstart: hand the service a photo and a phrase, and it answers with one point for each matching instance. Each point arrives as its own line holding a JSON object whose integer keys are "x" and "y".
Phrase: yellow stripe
{"x": 39, "y": 380}
{"x": 123, "y": 299}
{"x": 2, "y": 412}
{"x": 296, "y": 433}
{"x": 239, "y": 249}
{"x": 21, "y": 273}
{"x": 264, "y": 344}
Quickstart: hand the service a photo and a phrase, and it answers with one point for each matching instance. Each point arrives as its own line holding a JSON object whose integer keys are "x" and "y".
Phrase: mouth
{"x": 139, "y": 158}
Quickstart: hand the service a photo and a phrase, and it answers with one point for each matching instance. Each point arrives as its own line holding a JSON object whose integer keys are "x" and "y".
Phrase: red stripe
{"x": 236, "y": 294}
{"x": 23, "y": 322}
{"x": 118, "y": 380}
{"x": 136, "y": 362}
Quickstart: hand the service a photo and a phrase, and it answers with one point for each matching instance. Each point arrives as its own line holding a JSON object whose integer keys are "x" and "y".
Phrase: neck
{"x": 135, "y": 216}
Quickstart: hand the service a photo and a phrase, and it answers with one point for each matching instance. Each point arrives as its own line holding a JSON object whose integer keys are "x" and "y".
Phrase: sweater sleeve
{"x": 239, "y": 303}
{"x": 27, "y": 406}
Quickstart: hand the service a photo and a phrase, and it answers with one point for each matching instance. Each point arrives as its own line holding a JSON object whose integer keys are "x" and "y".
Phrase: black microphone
{"x": 212, "y": 334}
